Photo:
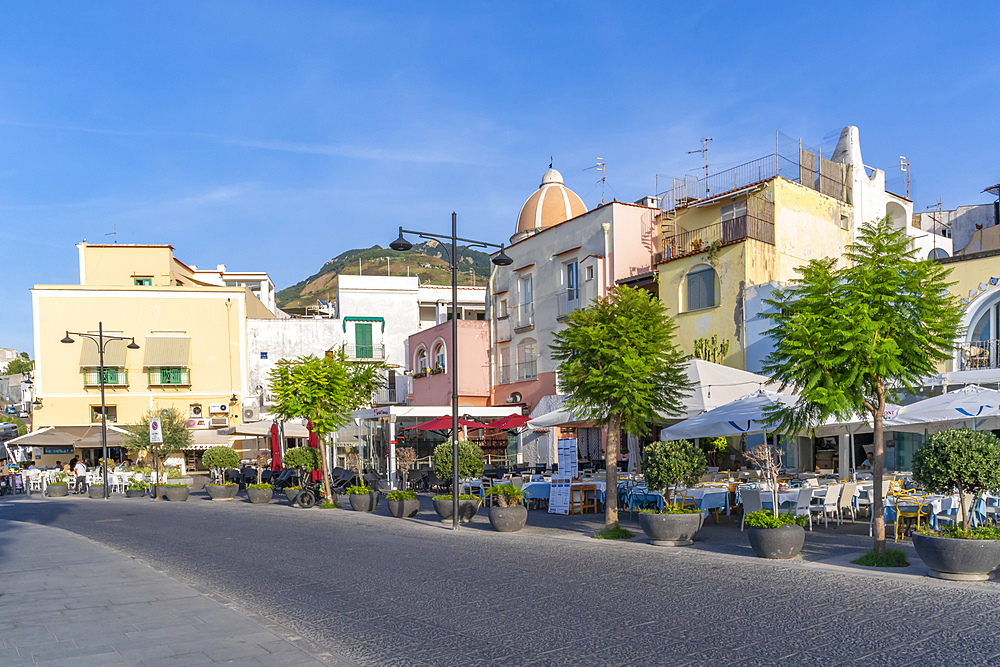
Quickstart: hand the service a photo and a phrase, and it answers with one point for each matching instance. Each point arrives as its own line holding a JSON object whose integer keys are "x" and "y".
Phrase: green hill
{"x": 427, "y": 260}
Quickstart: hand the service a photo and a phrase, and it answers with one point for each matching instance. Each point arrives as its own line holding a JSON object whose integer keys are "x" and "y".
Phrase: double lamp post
{"x": 102, "y": 341}
{"x": 402, "y": 245}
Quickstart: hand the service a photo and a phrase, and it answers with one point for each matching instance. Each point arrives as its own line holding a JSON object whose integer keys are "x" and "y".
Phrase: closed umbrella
{"x": 314, "y": 442}
{"x": 275, "y": 449}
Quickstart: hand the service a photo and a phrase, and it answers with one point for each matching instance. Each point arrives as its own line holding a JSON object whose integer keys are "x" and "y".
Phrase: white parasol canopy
{"x": 969, "y": 404}
{"x": 744, "y": 415}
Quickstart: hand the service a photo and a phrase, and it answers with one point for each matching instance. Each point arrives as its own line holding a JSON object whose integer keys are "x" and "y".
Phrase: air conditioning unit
{"x": 220, "y": 422}
{"x": 251, "y": 413}
{"x": 659, "y": 257}
{"x": 196, "y": 411}
{"x": 515, "y": 397}
{"x": 219, "y": 408}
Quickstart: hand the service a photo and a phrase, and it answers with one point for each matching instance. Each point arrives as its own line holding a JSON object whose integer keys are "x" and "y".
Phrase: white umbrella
{"x": 967, "y": 404}
{"x": 744, "y": 415}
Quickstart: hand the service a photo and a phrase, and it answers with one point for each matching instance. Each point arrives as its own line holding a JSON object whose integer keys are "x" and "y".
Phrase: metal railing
{"x": 978, "y": 355}
{"x": 722, "y": 233}
{"x": 387, "y": 396}
{"x": 364, "y": 352}
{"x": 525, "y": 315}
{"x": 166, "y": 377}
{"x": 527, "y": 370}
{"x": 113, "y": 377}
{"x": 569, "y": 300}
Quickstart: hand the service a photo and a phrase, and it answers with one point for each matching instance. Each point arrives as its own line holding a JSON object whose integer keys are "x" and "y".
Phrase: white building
{"x": 258, "y": 282}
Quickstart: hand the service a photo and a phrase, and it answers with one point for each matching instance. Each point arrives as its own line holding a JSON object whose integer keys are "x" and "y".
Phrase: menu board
{"x": 559, "y": 494}
{"x": 568, "y": 464}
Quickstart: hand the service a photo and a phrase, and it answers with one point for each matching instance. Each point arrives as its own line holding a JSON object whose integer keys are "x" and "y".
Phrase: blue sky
{"x": 273, "y": 136}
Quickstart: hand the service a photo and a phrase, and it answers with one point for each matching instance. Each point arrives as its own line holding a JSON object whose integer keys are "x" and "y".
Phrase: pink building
{"x": 429, "y": 361}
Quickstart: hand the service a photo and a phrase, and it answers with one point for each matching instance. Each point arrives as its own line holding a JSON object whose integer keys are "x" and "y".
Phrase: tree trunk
{"x": 326, "y": 473}
{"x": 878, "y": 512}
{"x": 963, "y": 513}
{"x": 611, "y": 476}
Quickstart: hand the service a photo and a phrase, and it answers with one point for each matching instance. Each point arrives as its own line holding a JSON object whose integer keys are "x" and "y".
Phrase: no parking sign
{"x": 155, "y": 432}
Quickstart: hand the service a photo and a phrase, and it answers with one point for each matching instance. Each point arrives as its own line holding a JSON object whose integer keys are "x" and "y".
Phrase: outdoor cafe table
{"x": 542, "y": 490}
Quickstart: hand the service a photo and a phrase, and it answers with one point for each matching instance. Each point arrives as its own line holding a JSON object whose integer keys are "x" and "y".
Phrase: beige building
{"x": 192, "y": 336}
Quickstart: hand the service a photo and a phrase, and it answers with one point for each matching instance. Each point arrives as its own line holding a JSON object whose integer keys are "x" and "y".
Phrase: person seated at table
{"x": 57, "y": 466}
{"x": 32, "y": 466}
{"x": 868, "y": 464}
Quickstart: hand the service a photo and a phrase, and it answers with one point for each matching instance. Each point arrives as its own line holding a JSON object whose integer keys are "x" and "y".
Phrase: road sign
{"x": 155, "y": 432}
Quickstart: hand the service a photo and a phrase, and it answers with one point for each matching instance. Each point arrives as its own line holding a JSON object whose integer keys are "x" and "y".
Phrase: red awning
{"x": 443, "y": 424}
{"x": 511, "y": 421}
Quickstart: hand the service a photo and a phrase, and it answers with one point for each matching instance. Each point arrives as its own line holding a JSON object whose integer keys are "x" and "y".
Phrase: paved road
{"x": 384, "y": 591}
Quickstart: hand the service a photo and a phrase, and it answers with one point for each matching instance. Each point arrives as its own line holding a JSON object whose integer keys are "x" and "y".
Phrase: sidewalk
{"x": 68, "y": 601}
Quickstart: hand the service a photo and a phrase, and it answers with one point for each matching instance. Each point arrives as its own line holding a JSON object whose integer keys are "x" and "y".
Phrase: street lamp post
{"x": 101, "y": 340}
{"x": 402, "y": 245}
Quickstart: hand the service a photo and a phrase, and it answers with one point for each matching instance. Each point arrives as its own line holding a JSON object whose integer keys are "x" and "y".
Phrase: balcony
{"x": 388, "y": 396}
{"x": 504, "y": 332}
{"x": 525, "y": 318}
{"x": 169, "y": 377}
{"x": 569, "y": 300}
{"x": 364, "y": 352}
{"x": 113, "y": 377}
{"x": 978, "y": 355}
{"x": 718, "y": 235}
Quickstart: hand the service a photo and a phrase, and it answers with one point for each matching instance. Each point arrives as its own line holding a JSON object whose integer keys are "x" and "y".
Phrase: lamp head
{"x": 502, "y": 259}
{"x": 401, "y": 244}
{"x": 132, "y": 345}
{"x": 66, "y": 339}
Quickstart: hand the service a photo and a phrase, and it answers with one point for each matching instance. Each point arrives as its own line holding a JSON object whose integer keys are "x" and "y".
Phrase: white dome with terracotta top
{"x": 551, "y": 204}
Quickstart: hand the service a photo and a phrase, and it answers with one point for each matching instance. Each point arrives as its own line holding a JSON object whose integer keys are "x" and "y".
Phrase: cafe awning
{"x": 263, "y": 428}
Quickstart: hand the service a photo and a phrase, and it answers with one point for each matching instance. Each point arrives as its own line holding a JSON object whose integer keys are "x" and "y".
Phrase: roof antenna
{"x": 113, "y": 233}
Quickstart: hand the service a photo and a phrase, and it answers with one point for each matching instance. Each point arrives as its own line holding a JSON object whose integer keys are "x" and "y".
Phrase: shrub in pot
{"x": 470, "y": 460}
{"x": 402, "y": 504}
{"x": 175, "y": 492}
{"x": 96, "y": 491}
{"x": 260, "y": 493}
{"x": 221, "y": 458}
{"x": 508, "y": 513}
{"x": 362, "y": 498}
{"x": 292, "y": 493}
{"x": 467, "y": 507}
{"x": 59, "y": 488}
{"x": 304, "y": 460}
{"x": 668, "y": 465}
{"x": 968, "y": 462}
{"x": 136, "y": 489}
{"x": 776, "y": 536}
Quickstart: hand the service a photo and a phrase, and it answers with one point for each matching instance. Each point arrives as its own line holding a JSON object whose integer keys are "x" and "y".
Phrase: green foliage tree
{"x": 470, "y": 460}
{"x": 22, "y": 364}
{"x": 961, "y": 459}
{"x": 326, "y": 391}
{"x": 620, "y": 367}
{"x": 221, "y": 457}
{"x": 845, "y": 337}
{"x": 713, "y": 448}
{"x": 173, "y": 427}
{"x": 671, "y": 463}
{"x": 305, "y": 459}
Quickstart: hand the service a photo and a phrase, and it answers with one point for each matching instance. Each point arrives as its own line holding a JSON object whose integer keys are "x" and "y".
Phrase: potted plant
{"x": 362, "y": 498}
{"x": 221, "y": 458}
{"x": 773, "y": 535}
{"x": 509, "y": 514}
{"x": 405, "y": 458}
{"x": 667, "y": 465}
{"x": 470, "y": 464}
{"x": 402, "y": 504}
{"x": 260, "y": 493}
{"x": 175, "y": 492}
{"x": 96, "y": 490}
{"x": 58, "y": 488}
{"x": 968, "y": 462}
{"x": 776, "y": 536}
{"x": 292, "y": 493}
{"x": 136, "y": 489}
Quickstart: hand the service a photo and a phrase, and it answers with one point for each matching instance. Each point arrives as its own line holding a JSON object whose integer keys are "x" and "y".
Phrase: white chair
{"x": 846, "y": 501}
{"x": 812, "y": 483}
{"x": 803, "y": 503}
{"x": 828, "y": 504}
{"x": 751, "y": 503}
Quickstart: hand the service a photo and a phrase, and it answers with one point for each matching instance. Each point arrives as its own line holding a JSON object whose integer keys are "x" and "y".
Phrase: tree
{"x": 620, "y": 367}
{"x": 326, "y": 391}
{"x": 21, "y": 364}
{"x": 221, "y": 457}
{"x": 768, "y": 459}
{"x": 405, "y": 457}
{"x": 470, "y": 460}
{"x": 846, "y": 337}
{"x": 173, "y": 427}
{"x": 961, "y": 459}
{"x": 671, "y": 463}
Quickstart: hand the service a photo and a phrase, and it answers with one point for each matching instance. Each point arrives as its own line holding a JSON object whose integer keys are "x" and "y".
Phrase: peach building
{"x": 429, "y": 362}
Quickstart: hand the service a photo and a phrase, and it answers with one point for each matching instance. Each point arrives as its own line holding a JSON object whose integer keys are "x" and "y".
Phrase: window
{"x": 439, "y": 355}
{"x": 420, "y": 365}
{"x": 701, "y": 288}
{"x": 590, "y": 273}
{"x": 143, "y": 281}
{"x": 527, "y": 360}
{"x": 110, "y": 410}
{"x": 504, "y": 371}
{"x": 734, "y": 210}
{"x": 502, "y": 308}
{"x": 572, "y": 281}
{"x": 113, "y": 376}
{"x": 526, "y": 309}
{"x": 169, "y": 376}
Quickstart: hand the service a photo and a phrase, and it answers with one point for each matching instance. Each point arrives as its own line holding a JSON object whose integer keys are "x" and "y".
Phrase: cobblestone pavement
{"x": 385, "y": 591}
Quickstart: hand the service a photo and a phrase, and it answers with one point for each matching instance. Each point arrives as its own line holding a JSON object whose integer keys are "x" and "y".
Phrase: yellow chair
{"x": 687, "y": 502}
{"x": 909, "y": 506}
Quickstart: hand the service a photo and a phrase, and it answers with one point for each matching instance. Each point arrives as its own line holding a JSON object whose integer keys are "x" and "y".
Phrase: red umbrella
{"x": 275, "y": 448}
{"x": 314, "y": 442}
{"x": 511, "y": 421}
{"x": 443, "y": 424}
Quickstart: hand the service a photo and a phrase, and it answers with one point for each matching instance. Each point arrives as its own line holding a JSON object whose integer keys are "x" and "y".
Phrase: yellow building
{"x": 976, "y": 357}
{"x": 191, "y": 334}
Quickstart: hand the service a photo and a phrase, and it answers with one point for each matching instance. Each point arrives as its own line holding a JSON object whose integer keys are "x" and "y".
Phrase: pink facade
{"x": 430, "y": 364}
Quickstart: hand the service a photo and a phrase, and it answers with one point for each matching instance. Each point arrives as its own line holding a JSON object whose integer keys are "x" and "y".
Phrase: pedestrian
{"x": 72, "y": 463}
{"x": 81, "y": 477}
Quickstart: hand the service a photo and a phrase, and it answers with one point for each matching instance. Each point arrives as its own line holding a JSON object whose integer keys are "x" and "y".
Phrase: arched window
{"x": 527, "y": 359}
{"x": 981, "y": 348}
{"x": 700, "y": 288}
{"x": 439, "y": 357}
{"x": 420, "y": 365}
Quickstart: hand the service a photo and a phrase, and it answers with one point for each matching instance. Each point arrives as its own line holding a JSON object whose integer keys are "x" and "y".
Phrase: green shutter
{"x": 363, "y": 340}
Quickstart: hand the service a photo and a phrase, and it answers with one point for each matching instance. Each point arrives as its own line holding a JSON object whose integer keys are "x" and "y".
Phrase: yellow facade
{"x": 806, "y": 225}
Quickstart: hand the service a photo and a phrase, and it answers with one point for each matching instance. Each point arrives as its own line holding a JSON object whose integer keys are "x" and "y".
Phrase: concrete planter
{"x": 135, "y": 493}
{"x": 364, "y": 502}
{"x": 780, "y": 542}
{"x": 57, "y": 490}
{"x": 670, "y": 530}
{"x": 292, "y": 494}
{"x": 260, "y": 496}
{"x": 96, "y": 491}
{"x": 466, "y": 509}
{"x": 957, "y": 559}
{"x": 176, "y": 493}
{"x": 508, "y": 519}
{"x": 403, "y": 509}
{"x": 222, "y": 491}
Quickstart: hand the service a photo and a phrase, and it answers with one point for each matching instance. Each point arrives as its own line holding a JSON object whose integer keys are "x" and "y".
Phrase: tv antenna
{"x": 114, "y": 232}
{"x": 600, "y": 167}
{"x": 935, "y": 209}
{"x": 904, "y": 166}
{"x": 704, "y": 153}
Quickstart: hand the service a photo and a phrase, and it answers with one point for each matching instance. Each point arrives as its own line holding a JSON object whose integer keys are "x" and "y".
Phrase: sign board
{"x": 559, "y": 494}
{"x": 381, "y": 412}
{"x": 58, "y": 450}
{"x": 155, "y": 432}
{"x": 568, "y": 463}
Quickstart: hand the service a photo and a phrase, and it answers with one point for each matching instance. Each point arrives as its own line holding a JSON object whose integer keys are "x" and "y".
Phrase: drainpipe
{"x": 607, "y": 253}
